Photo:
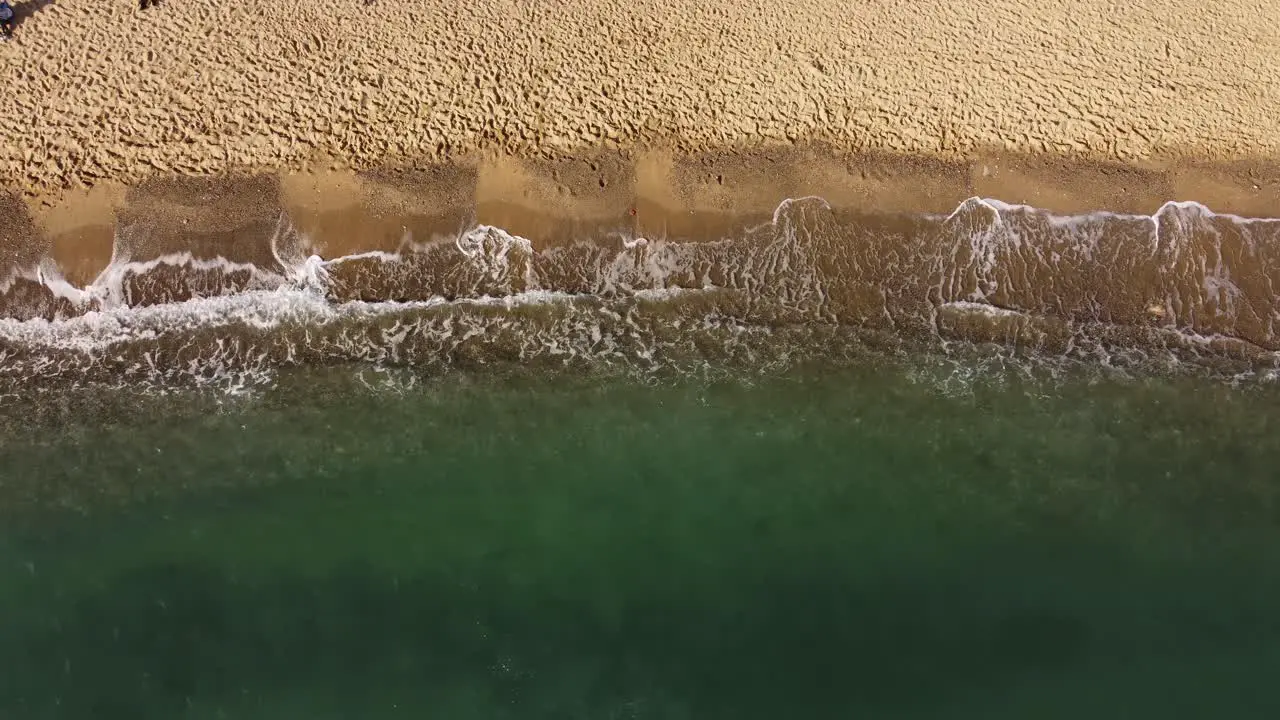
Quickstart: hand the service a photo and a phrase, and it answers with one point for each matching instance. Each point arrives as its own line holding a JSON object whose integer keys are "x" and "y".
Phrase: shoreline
{"x": 655, "y": 193}
{"x": 895, "y": 254}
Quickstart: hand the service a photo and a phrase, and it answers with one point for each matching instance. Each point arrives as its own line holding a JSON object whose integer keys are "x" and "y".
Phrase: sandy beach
{"x": 101, "y": 91}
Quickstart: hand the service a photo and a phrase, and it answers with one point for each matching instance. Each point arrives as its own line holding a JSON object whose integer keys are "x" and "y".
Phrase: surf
{"x": 1183, "y": 286}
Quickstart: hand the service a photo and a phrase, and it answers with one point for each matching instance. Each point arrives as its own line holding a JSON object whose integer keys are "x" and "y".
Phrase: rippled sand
{"x": 98, "y": 89}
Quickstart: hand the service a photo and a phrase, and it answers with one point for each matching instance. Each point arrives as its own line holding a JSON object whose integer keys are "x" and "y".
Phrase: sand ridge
{"x": 100, "y": 90}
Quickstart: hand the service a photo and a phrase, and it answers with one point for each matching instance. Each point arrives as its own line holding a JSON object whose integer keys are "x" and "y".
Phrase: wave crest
{"x": 1184, "y": 285}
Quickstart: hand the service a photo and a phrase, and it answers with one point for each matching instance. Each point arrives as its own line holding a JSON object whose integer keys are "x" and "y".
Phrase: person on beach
{"x": 6, "y": 18}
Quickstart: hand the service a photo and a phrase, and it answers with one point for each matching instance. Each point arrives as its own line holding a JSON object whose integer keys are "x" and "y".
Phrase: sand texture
{"x": 98, "y": 89}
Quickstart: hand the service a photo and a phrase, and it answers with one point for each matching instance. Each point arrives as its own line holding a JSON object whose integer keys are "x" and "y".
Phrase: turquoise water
{"x": 860, "y": 541}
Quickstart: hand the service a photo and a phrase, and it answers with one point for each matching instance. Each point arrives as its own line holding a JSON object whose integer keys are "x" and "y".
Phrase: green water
{"x": 834, "y": 544}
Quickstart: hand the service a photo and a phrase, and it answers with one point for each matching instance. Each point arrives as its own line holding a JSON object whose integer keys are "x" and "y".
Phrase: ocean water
{"x": 994, "y": 464}
{"x": 834, "y": 542}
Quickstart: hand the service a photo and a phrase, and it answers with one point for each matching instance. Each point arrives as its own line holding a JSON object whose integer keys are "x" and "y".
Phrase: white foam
{"x": 1068, "y": 220}
{"x": 642, "y": 269}
{"x": 261, "y": 310}
{"x": 966, "y": 306}
{"x": 664, "y": 294}
{"x": 977, "y": 202}
{"x": 379, "y": 255}
{"x": 787, "y": 204}
{"x": 108, "y": 287}
{"x": 46, "y": 273}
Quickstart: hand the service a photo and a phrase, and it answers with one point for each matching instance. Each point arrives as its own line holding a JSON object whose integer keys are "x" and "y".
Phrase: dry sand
{"x": 96, "y": 89}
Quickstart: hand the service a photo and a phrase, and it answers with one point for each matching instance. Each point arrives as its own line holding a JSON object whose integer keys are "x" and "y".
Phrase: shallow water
{"x": 835, "y": 541}
{"x": 1184, "y": 289}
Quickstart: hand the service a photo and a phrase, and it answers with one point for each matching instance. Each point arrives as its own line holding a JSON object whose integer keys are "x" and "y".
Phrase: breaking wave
{"x": 1183, "y": 288}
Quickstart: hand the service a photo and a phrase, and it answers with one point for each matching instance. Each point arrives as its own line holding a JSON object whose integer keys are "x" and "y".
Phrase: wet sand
{"x": 597, "y": 196}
